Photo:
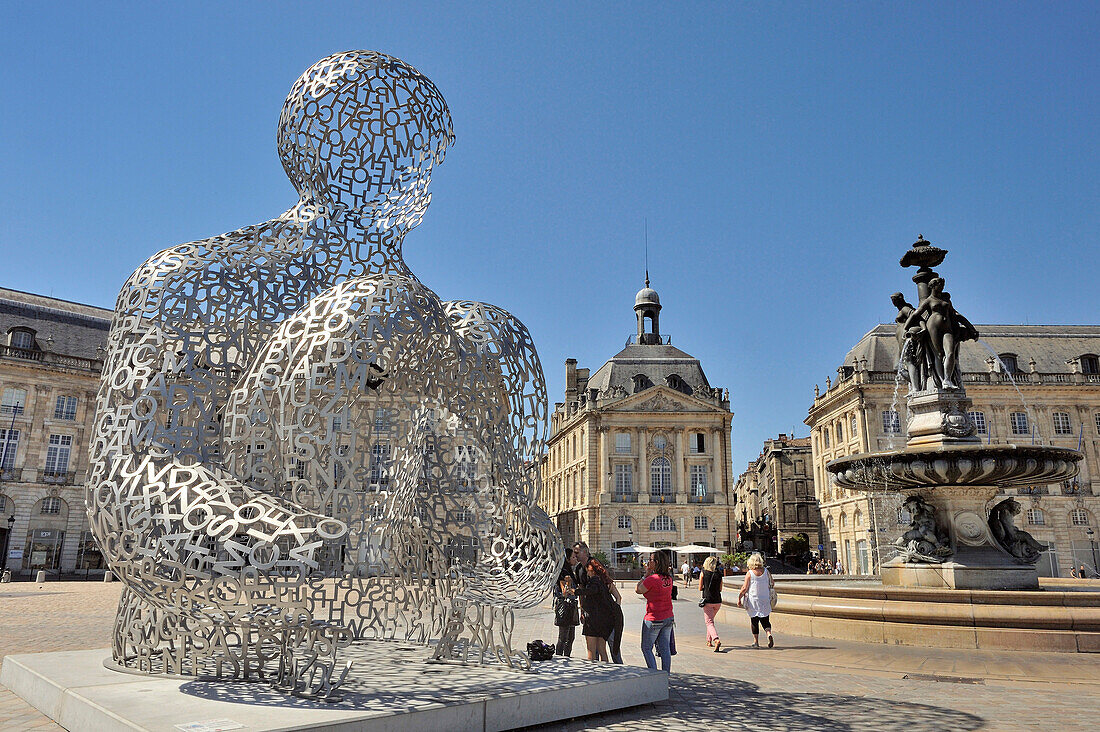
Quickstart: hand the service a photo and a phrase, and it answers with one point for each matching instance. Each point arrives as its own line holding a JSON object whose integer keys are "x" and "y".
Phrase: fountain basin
{"x": 930, "y": 468}
{"x": 1052, "y": 619}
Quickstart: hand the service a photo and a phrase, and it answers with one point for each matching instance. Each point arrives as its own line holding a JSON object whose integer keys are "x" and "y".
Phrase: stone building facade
{"x": 1034, "y": 383}
{"x": 50, "y": 363}
{"x": 774, "y": 499}
{"x": 639, "y": 451}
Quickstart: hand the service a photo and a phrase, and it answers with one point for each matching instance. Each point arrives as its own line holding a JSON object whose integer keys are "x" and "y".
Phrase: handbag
{"x": 774, "y": 598}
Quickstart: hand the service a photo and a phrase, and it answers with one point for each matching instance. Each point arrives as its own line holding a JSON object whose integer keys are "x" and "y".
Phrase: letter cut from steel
{"x": 297, "y": 445}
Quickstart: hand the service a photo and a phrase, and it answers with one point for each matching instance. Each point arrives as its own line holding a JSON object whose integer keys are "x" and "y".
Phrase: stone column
{"x": 679, "y": 467}
{"x": 603, "y": 469}
{"x": 715, "y": 479}
{"x": 641, "y": 485}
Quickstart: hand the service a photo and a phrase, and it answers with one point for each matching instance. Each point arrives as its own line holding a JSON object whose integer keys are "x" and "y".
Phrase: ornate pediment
{"x": 662, "y": 399}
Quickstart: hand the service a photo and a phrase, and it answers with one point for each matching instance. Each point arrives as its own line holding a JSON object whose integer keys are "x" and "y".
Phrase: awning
{"x": 694, "y": 549}
{"x": 636, "y": 549}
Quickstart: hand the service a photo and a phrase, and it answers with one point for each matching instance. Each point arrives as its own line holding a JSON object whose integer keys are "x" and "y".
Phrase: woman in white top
{"x": 756, "y": 597}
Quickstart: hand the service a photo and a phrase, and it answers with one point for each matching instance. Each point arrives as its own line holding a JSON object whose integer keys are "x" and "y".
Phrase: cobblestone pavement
{"x": 804, "y": 683}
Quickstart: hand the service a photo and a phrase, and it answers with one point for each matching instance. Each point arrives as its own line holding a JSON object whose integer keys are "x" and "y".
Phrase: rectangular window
{"x": 381, "y": 420}
{"x": 299, "y": 470}
{"x": 978, "y": 418}
{"x": 624, "y": 523}
{"x": 622, "y": 443}
{"x": 57, "y": 454}
{"x": 1018, "y": 422}
{"x": 51, "y": 505}
{"x": 891, "y": 425}
{"x": 466, "y": 465}
{"x": 1097, "y": 418}
{"x": 800, "y": 487}
{"x": 789, "y": 514}
{"x": 1035, "y": 517}
{"x": 624, "y": 479}
{"x": 1061, "y": 424}
{"x": 65, "y": 408}
{"x": 9, "y": 444}
{"x": 698, "y": 443}
{"x": 803, "y": 514}
{"x": 799, "y": 467}
{"x": 14, "y": 401}
{"x": 701, "y": 523}
{"x": 853, "y": 430}
{"x": 379, "y": 463}
{"x": 698, "y": 476}
{"x": 864, "y": 556}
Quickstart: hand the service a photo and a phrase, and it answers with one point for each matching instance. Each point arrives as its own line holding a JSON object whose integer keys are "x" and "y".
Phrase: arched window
{"x": 1090, "y": 364}
{"x": 641, "y": 382}
{"x": 662, "y": 523}
{"x": 1079, "y": 517}
{"x": 701, "y": 523}
{"x": 22, "y": 338}
{"x": 624, "y": 522}
{"x": 1009, "y": 363}
{"x": 825, "y": 431}
{"x": 857, "y": 519}
{"x": 829, "y": 523}
{"x": 843, "y": 520}
{"x": 660, "y": 478}
{"x": 1035, "y": 517}
{"x": 674, "y": 381}
{"x": 839, "y": 431}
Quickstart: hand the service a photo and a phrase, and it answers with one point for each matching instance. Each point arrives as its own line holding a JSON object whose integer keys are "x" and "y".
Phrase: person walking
{"x": 658, "y": 622}
{"x": 685, "y": 572}
{"x": 710, "y": 587}
{"x": 756, "y": 598}
{"x": 566, "y": 613}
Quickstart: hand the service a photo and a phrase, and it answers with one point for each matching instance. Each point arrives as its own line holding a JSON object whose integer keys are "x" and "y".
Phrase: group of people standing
{"x": 820, "y": 565}
{"x": 586, "y": 595}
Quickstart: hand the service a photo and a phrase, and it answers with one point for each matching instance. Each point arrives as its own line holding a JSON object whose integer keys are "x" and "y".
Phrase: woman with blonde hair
{"x": 756, "y": 598}
{"x": 710, "y": 587}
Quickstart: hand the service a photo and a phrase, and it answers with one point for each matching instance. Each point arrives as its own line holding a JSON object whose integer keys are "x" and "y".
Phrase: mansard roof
{"x": 75, "y": 329}
{"x": 655, "y": 362}
{"x": 1049, "y": 345}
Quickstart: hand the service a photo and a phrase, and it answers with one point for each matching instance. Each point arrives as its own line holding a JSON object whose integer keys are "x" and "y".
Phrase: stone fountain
{"x": 962, "y": 533}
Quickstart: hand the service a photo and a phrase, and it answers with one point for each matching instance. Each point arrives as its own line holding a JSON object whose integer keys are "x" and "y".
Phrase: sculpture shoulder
{"x": 240, "y": 251}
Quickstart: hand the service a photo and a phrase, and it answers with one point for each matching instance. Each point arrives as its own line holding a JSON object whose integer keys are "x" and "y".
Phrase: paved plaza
{"x": 803, "y": 683}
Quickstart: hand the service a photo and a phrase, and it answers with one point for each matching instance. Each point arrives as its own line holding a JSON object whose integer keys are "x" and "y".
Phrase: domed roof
{"x": 646, "y": 296}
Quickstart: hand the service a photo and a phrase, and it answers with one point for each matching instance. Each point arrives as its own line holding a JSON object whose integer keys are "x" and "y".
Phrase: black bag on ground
{"x": 539, "y": 651}
{"x": 674, "y": 591}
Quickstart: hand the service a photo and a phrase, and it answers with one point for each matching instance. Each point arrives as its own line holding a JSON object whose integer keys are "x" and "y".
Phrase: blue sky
{"x": 785, "y": 155}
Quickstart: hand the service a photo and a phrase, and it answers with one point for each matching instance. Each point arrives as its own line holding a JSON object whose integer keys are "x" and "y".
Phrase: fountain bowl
{"x": 928, "y": 467}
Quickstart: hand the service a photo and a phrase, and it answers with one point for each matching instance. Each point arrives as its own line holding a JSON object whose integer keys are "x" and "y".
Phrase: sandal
{"x": 771, "y": 641}
{"x": 717, "y": 645}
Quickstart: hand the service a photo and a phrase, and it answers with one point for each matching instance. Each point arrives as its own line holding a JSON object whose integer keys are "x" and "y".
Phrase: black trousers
{"x": 757, "y": 622}
{"x": 566, "y": 634}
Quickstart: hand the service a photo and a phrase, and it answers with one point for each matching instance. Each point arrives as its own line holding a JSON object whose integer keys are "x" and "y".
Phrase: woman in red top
{"x": 656, "y": 587}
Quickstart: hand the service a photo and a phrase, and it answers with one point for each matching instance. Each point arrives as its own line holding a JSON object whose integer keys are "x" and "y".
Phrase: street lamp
{"x": 7, "y": 542}
{"x": 1092, "y": 548}
{"x": 714, "y": 536}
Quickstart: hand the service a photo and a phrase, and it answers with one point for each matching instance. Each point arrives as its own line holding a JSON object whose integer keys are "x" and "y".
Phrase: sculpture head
{"x": 361, "y": 131}
{"x": 936, "y": 285}
{"x": 899, "y": 301}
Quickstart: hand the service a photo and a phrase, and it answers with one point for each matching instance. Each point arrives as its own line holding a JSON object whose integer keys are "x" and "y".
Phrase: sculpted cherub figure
{"x": 297, "y": 444}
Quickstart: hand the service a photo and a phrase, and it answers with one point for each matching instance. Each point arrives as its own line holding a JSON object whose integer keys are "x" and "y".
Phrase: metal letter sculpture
{"x": 297, "y": 444}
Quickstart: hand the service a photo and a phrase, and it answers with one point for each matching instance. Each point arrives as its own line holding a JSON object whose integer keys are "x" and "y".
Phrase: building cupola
{"x": 647, "y": 305}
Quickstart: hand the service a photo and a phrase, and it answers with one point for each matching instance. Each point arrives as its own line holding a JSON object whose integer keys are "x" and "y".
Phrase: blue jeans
{"x": 659, "y": 632}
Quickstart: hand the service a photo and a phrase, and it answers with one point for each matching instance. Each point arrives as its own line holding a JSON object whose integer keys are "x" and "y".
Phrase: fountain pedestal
{"x": 977, "y": 561}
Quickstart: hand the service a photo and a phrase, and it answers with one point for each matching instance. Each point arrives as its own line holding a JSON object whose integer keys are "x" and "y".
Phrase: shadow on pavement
{"x": 705, "y": 702}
